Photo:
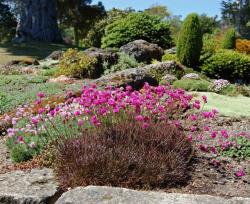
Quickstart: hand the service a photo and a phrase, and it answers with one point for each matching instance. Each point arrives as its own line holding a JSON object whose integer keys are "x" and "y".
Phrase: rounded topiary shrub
{"x": 229, "y": 40}
{"x": 77, "y": 64}
{"x": 189, "y": 45}
{"x": 227, "y": 64}
{"x": 137, "y": 26}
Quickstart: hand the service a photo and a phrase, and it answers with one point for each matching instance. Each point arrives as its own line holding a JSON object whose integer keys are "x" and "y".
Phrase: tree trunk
{"x": 76, "y": 34}
{"x": 38, "y": 21}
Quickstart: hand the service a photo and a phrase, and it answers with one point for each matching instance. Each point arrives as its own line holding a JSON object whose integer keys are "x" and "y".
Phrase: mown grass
{"x": 228, "y": 105}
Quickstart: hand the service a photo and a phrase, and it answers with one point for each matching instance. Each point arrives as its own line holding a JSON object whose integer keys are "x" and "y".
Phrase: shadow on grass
{"x": 32, "y": 49}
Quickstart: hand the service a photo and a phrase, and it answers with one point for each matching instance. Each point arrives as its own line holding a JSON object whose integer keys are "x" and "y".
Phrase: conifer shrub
{"x": 126, "y": 155}
{"x": 189, "y": 45}
{"x": 229, "y": 40}
{"x": 137, "y": 26}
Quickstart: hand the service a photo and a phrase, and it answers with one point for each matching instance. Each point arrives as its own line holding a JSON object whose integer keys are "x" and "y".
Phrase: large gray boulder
{"x": 103, "y": 56}
{"x": 136, "y": 77}
{"x": 35, "y": 187}
{"x": 143, "y": 51}
{"x": 111, "y": 195}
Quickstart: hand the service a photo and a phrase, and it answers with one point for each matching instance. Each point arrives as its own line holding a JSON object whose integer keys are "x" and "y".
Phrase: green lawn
{"x": 10, "y": 51}
{"x": 228, "y": 106}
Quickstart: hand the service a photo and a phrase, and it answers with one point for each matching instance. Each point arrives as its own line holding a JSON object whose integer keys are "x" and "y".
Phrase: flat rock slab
{"x": 34, "y": 187}
{"x": 110, "y": 195}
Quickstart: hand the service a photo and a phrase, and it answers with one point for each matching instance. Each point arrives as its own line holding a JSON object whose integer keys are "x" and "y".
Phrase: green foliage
{"x": 192, "y": 85}
{"x": 190, "y": 41}
{"x": 137, "y": 26}
{"x": 227, "y": 64}
{"x": 239, "y": 151}
{"x": 47, "y": 71}
{"x": 169, "y": 57}
{"x": 229, "y": 41}
{"x": 124, "y": 62}
{"x": 77, "y": 64}
{"x": 209, "y": 47}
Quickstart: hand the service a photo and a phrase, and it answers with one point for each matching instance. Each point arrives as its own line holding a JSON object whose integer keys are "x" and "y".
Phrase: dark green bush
{"x": 229, "y": 40}
{"x": 192, "y": 85}
{"x": 137, "y": 26}
{"x": 190, "y": 42}
{"x": 227, "y": 64}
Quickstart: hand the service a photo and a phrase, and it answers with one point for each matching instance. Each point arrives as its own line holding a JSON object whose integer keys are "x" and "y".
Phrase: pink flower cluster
{"x": 149, "y": 104}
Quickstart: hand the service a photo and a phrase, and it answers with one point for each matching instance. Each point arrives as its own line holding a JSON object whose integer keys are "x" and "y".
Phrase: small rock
{"x": 143, "y": 51}
{"x": 61, "y": 78}
{"x": 191, "y": 76}
{"x": 55, "y": 55}
{"x": 168, "y": 78}
{"x": 36, "y": 186}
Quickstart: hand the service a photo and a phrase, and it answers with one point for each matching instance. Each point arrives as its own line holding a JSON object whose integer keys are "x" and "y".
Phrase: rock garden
{"x": 143, "y": 118}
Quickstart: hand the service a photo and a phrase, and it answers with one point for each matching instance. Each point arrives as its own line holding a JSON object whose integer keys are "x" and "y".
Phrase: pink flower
{"x": 204, "y": 98}
{"x": 240, "y": 173}
{"x": 139, "y": 118}
{"x": 197, "y": 106}
{"x": 214, "y": 134}
{"x": 80, "y": 122}
{"x": 224, "y": 133}
{"x": 206, "y": 128}
{"x": 77, "y": 113}
{"x": 40, "y": 95}
{"x": 41, "y": 110}
{"x": 193, "y": 117}
{"x": 190, "y": 138}
{"x": 145, "y": 125}
{"x": 193, "y": 128}
{"x": 95, "y": 121}
{"x": 213, "y": 149}
{"x": 35, "y": 120}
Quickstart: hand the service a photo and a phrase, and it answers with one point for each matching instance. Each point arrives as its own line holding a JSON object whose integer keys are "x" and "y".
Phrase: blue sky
{"x": 177, "y": 7}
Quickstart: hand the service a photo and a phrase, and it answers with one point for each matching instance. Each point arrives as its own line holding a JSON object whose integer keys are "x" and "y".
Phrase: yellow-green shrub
{"x": 77, "y": 64}
{"x": 243, "y": 46}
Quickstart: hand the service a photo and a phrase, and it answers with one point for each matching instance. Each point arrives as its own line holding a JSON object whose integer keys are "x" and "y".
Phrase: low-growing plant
{"x": 219, "y": 85}
{"x": 77, "y": 64}
{"x": 126, "y": 155}
{"x": 192, "y": 85}
{"x": 125, "y": 61}
{"x": 169, "y": 57}
{"x": 238, "y": 148}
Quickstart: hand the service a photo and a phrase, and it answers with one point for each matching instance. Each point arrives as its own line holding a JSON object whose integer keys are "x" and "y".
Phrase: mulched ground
{"x": 207, "y": 175}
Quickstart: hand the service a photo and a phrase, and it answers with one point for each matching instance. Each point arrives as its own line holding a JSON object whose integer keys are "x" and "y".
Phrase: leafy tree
{"x": 237, "y": 13}
{"x": 137, "y": 26}
{"x": 7, "y": 21}
{"x": 190, "y": 41}
{"x": 158, "y": 10}
{"x": 95, "y": 34}
{"x": 208, "y": 24}
{"x": 80, "y": 15}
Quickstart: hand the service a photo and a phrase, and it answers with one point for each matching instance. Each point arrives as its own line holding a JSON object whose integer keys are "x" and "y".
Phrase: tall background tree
{"x": 158, "y": 10}
{"x": 7, "y": 21}
{"x": 237, "y": 13}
